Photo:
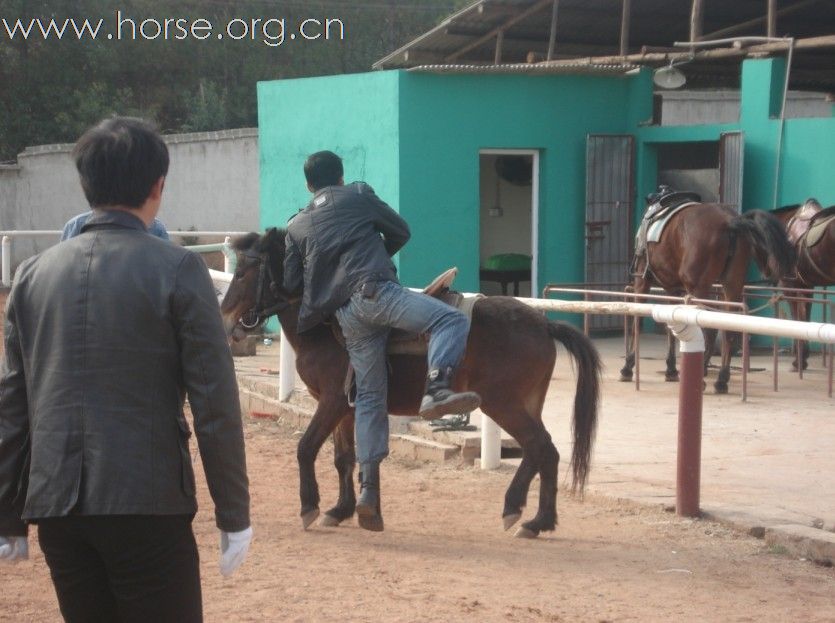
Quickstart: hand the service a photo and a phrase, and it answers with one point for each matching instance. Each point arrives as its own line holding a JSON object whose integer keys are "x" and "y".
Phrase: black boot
{"x": 369, "y": 515}
{"x": 441, "y": 400}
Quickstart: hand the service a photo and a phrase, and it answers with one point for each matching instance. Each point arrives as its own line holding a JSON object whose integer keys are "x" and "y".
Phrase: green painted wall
{"x": 355, "y": 116}
{"x": 445, "y": 121}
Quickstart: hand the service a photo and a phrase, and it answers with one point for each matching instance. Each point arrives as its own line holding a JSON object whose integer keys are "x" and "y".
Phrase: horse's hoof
{"x": 525, "y": 533}
{"x": 374, "y": 523}
{"x": 329, "y": 521}
{"x": 510, "y": 520}
{"x": 721, "y": 389}
{"x": 309, "y": 517}
{"x": 625, "y": 378}
{"x": 671, "y": 378}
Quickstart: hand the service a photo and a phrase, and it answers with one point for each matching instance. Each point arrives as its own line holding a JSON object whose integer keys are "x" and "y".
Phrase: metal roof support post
{"x": 772, "y": 18}
{"x": 696, "y": 20}
{"x": 552, "y": 40}
{"x": 499, "y": 44}
{"x": 689, "y": 456}
{"x": 624, "y": 27}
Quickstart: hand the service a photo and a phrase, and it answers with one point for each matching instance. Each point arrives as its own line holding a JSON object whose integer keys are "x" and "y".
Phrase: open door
{"x": 610, "y": 192}
{"x": 731, "y": 156}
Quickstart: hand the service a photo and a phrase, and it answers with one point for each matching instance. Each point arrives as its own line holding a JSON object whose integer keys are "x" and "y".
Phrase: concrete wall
{"x": 706, "y": 107}
{"x": 212, "y": 184}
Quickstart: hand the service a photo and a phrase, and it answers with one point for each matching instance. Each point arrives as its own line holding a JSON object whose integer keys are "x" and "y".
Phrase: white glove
{"x": 233, "y": 549}
{"x": 14, "y": 548}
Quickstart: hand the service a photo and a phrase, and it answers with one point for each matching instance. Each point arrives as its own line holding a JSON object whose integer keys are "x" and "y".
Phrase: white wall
{"x": 212, "y": 185}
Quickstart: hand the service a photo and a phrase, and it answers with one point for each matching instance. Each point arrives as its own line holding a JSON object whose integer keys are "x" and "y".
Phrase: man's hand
{"x": 233, "y": 549}
{"x": 13, "y": 548}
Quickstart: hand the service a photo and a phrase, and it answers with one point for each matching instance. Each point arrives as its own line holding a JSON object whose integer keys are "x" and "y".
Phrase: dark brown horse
{"x": 704, "y": 244}
{"x": 815, "y": 257}
{"x": 509, "y": 361}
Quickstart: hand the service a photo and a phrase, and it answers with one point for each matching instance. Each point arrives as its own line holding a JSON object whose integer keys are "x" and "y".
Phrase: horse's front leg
{"x": 344, "y": 458}
{"x": 671, "y": 374}
{"x": 328, "y": 413}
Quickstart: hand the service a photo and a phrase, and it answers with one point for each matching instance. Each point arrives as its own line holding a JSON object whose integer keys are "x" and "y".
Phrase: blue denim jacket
{"x": 74, "y": 225}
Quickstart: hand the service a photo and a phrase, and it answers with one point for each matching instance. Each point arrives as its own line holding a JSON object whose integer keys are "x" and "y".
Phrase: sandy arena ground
{"x": 444, "y": 557}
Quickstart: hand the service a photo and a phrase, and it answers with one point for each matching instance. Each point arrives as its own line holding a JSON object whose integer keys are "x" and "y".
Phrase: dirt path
{"x": 443, "y": 557}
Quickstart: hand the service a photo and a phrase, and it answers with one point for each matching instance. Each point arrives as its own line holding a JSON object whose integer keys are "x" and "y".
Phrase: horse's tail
{"x": 586, "y": 398}
{"x": 773, "y": 252}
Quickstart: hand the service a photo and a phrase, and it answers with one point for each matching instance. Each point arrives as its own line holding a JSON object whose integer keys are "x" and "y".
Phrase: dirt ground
{"x": 444, "y": 557}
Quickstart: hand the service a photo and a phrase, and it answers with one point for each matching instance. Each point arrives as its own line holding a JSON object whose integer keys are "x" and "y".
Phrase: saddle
{"x": 799, "y": 224}
{"x": 662, "y": 205}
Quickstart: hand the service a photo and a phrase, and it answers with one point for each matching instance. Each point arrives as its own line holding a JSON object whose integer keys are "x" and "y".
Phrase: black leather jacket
{"x": 105, "y": 334}
{"x": 344, "y": 237}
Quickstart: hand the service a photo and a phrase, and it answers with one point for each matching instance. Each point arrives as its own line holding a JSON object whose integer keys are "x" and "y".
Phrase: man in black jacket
{"x": 105, "y": 334}
{"x": 339, "y": 250}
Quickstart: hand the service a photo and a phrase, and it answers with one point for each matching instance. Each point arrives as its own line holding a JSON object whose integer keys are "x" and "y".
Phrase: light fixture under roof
{"x": 669, "y": 77}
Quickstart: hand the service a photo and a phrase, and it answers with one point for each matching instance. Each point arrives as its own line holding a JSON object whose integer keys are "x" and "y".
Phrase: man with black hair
{"x": 105, "y": 335}
{"x": 339, "y": 250}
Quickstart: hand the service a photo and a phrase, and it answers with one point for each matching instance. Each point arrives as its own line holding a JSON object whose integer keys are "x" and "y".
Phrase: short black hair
{"x": 324, "y": 168}
{"x": 119, "y": 160}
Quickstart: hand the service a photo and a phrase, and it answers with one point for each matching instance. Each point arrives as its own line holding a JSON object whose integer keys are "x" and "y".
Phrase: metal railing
{"x": 772, "y": 295}
{"x": 7, "y": 236}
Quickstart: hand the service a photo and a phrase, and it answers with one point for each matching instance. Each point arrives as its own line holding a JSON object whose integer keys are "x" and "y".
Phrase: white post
{"x": 286, "y": 369}
{"x": 491, "y": 443}
{"x": 229, "y": 259}
{"x": 6, "y": 261}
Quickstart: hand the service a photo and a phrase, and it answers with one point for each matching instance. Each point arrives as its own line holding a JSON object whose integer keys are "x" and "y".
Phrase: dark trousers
{"x": 123, "y": 568}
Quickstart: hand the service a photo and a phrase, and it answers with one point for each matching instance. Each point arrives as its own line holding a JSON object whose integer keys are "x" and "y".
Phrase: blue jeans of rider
{"x": 366, "y": 323}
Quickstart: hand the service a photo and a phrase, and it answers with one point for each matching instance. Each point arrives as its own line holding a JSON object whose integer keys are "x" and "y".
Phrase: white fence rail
{"x": 7, "y": 236}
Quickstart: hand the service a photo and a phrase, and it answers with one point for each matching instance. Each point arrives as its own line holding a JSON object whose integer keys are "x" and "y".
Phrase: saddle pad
{"x": 817, "y": 230}
{"x": 656, "y": 228}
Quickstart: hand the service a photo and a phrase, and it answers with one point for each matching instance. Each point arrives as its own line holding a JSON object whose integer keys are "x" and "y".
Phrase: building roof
{"x": 590, "y": 31}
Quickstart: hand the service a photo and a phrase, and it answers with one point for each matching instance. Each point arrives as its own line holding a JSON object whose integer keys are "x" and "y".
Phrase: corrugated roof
{"x": 528, "y": 68}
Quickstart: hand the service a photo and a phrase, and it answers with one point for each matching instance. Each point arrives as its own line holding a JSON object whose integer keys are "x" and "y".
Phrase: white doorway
{"x": 508, "y": 221}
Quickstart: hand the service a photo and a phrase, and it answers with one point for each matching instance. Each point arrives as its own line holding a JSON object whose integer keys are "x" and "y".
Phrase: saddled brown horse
{"x": 815, "y": 257}
{"x": 704, "y": 244}
{"x": 509, "y": 361}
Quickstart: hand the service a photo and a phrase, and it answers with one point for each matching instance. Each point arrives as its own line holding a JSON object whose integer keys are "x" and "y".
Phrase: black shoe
{"x": 440, "y": 400}
{"x": 369, "y": 515}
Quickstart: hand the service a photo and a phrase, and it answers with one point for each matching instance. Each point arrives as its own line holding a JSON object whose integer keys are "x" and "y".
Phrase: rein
{"x": 259, "y": 314}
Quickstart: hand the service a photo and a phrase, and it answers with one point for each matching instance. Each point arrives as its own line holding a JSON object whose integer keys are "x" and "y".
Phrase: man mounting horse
{"x": 508, "y": 361}
{"x": 339, "y": 252}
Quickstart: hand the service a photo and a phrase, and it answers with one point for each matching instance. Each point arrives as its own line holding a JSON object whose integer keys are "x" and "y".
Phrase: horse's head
{"x": 256, "y": 291}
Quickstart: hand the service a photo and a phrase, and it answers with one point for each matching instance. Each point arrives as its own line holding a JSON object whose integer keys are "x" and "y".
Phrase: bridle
{"x": 258, "y": 313}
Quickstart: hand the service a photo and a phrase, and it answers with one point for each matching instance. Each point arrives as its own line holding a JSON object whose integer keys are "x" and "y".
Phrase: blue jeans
{"x": 366, "y": 323}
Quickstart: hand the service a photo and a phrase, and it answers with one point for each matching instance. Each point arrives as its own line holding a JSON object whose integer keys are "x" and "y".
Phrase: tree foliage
{"x": 51, "y": 89}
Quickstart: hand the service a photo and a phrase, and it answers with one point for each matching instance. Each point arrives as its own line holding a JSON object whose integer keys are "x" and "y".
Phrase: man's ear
{"x": 157, "y": 188}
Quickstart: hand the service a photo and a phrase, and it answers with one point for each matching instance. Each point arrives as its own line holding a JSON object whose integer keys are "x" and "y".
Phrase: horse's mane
{"x": 260, "y": 242}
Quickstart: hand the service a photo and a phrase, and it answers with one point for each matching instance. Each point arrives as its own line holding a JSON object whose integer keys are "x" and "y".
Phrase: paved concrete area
{"x": 766, "y": 463}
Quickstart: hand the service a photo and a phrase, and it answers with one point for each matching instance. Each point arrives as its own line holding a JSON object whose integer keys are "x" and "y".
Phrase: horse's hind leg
{"x": 328, "y": 413}
{"x": 344, "y": 458}
{"x": 516, "y": 496}
{"x": 641, "y": 286}
{"x": 547, "y": 459}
